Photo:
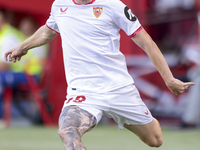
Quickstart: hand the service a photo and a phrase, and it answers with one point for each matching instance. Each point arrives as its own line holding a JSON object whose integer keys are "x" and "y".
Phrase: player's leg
{"x": 150, "y": 133}
{"x": 73, "y": 123}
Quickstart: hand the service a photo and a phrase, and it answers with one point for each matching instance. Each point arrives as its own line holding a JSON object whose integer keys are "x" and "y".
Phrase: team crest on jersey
{"x": 97, "y": 11}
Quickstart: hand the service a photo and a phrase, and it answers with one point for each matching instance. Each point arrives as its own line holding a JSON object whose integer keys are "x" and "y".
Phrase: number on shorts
{"x": 78, "y": 99}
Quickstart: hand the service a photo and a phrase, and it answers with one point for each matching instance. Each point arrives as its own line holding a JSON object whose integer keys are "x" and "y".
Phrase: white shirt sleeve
{"x": 51, "y": 23}
{"x": 124, "y": 18}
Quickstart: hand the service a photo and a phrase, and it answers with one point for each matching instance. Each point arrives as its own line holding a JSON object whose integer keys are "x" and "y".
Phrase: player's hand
{"x": 14, "y": 54}
{"x": 177, "y": 87}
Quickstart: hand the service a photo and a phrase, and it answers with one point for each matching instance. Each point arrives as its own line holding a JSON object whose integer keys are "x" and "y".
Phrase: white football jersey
{"x": 90, "y": 41}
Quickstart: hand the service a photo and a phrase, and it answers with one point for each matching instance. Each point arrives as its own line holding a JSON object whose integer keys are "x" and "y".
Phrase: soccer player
{"x": 96, "y": 72}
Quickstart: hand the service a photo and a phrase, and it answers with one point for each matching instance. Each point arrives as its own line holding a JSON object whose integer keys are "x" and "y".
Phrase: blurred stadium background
{"x": 173, "y": 25}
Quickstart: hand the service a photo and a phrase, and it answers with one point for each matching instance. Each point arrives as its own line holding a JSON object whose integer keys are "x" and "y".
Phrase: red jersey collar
{"x": 83, "y": 4}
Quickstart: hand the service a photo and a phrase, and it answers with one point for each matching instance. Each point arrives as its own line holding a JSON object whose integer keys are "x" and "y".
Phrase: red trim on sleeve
{"x": 52, "y": 29}
{"x": 136, "y": 32}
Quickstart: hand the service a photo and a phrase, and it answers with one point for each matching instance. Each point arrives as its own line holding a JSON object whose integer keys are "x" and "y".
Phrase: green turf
{"x": 100, "y": 138}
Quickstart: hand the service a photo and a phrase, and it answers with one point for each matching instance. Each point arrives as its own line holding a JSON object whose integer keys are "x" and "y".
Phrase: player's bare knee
{"x": 155, "y": 142}
{"x": 71, "y": 138}
{"x": 69, "y": 133}
{"x": 61, "y": 133}
{"x": 159, "y": 142}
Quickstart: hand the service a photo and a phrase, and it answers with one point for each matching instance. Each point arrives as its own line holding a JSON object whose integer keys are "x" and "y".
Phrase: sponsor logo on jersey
{"x": 63, "y": 10}
{"x": 129, "y": 14}
{"x": 147, "y": 112}
{"x": 97, "y": 11}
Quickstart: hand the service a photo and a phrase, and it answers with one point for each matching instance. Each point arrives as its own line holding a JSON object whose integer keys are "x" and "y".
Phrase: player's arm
{"x": 42, "y": 36}
{"x": 143, "y": 40}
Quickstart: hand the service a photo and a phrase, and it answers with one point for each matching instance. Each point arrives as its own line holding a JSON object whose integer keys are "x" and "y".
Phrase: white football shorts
{"x": 124, "y": 105}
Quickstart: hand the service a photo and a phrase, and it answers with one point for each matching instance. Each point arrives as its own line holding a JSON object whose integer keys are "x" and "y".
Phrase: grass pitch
{"x": 100, "y": 138}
